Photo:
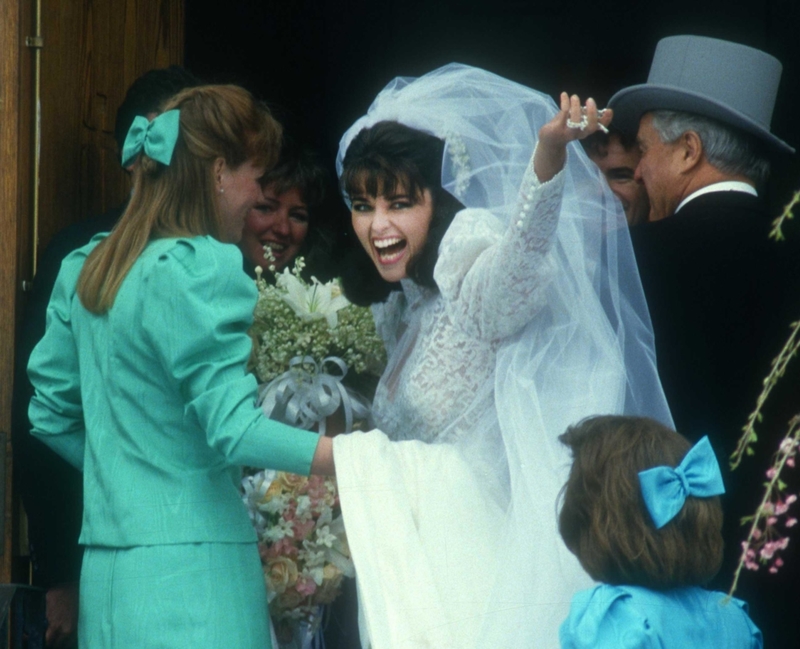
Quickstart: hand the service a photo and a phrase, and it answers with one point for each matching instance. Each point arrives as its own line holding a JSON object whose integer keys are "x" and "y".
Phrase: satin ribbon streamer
{"x": 665, "y": 489}
{"x": 307, "y": 394}
{"x": 157, "y": 137}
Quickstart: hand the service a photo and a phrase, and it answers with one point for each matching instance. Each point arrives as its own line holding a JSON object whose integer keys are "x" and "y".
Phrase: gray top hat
{"x": 731, "y": 83}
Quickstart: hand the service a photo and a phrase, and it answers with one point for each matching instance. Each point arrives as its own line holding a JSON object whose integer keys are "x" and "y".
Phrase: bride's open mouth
{"x": 389, "y": 250}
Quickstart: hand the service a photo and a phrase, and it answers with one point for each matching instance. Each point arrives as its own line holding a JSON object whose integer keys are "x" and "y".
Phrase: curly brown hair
{"x": 605, "y": 523}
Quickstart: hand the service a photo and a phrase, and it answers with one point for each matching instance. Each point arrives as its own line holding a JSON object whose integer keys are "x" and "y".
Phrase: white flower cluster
{"x": 295, "y": 318}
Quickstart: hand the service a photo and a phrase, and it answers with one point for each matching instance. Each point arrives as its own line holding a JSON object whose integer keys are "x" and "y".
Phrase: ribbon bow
{"x": 307, "y": 394}
{"x": 156, "y": 137}
{"x": 665, "y": 489}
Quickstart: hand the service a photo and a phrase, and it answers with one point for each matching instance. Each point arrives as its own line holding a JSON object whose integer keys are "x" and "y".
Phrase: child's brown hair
{"x": 604, "y": 520}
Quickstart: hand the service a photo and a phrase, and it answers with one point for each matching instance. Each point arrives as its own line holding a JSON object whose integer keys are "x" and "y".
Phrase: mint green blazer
{"x": 152, "y": 400}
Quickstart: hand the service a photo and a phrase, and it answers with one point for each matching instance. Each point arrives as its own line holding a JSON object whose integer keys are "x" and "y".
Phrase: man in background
{"x": 617, "y": 156}
{"x": 721, "y": 293}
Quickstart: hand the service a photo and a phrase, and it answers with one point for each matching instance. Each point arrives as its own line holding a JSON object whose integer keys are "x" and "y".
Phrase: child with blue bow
{"x": 641, "y": 514}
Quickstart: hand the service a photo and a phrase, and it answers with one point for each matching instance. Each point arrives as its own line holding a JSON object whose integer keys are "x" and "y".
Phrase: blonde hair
{"x": 179, "y": 199}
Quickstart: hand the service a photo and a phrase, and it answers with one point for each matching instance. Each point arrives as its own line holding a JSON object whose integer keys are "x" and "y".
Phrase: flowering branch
{"x": 764, "y": 540}
{"x": 790, "y": 349}
{"x": 777, "y": 225}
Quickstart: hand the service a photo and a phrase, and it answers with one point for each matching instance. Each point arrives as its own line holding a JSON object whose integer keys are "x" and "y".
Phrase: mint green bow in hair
{"x": 665, "y": 489}
{"x": 157, "y": 137}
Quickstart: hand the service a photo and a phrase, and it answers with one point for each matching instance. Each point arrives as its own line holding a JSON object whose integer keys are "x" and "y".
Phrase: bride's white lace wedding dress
{"x": 450, "y": 506}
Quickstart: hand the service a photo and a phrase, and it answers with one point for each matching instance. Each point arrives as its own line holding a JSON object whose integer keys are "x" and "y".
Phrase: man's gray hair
{"x": 726, "y": 149}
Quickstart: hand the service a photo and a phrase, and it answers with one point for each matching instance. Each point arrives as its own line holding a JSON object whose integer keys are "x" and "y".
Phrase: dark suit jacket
{"x": 51, "y": 489}
{"x": 721, "y": 296}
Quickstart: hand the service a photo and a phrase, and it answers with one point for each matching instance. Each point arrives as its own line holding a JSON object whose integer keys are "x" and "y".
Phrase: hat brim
{"x": 631, "y": 103}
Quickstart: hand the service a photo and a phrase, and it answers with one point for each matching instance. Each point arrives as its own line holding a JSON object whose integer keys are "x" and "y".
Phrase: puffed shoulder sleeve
{"x": 56, "y": 409}
{"x": 198, "y": 306}
{"x": 602, "y": 618}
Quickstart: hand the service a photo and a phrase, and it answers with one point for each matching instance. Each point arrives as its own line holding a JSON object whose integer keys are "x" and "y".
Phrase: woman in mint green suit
{"x": 141, "y": 382}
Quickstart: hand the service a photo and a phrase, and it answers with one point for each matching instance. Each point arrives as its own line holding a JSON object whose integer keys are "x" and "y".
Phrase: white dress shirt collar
{"x": 725, "y": 186}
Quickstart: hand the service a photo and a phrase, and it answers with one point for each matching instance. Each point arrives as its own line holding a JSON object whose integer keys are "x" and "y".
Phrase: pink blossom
{"x": 771, "y": 520}
{"x": 283, "y": 548}
{"x": 302, "y": 529}
{"x": 756, "y": 534}
{"x": 791, "y": 522}
{"x": 781, "y": 508}
{"x": 790, "y": 462}
{"x": 771, "y": 473}
{"x": 778, "y": 562}
{"x": 768, "y": 550}
{"x": 773, "y": 570}
{"x": 306, "y": 586}
{"x": 750, "y": 565}
{"x": 791, "y": 498}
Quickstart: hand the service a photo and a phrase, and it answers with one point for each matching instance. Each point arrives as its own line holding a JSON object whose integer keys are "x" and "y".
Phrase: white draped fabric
{"x": 539, "y": 321}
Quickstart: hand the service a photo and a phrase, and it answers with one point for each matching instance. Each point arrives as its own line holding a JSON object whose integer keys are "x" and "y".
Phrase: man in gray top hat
{"x": 721, "y": 294}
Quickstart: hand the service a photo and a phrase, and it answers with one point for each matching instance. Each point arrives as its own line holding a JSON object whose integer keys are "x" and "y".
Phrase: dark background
{"x": 320, "y": 63}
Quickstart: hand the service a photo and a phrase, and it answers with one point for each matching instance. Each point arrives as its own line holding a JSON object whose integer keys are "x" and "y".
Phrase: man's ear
{"x": 691, "y": 150}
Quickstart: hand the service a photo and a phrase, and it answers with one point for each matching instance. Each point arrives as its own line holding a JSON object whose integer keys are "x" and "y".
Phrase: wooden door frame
{"x": 15, "y": 237}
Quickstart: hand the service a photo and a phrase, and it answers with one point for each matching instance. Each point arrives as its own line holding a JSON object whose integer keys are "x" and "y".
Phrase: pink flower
{"x": 302, "y": 529}
{"x": 756, "y": 534}
{"x": 283, "y": 548}
{"x": 791, "y": 522}
{"x": 768, "y": 550}
{"x": 771, "y": 473}
{"x": 306, "y": 586}
{"x": 792, "y": 498}
{"x": 781, "y": 508}
{"x": 790, "y": 462}
{"x": 771, "y": 520}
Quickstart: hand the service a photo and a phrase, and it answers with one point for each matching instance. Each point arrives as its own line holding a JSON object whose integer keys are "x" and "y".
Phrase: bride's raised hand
{"x": 572, "y": 122}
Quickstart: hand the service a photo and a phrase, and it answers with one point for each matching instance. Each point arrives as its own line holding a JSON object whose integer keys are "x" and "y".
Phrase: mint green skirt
{"x": 193, "y": 596}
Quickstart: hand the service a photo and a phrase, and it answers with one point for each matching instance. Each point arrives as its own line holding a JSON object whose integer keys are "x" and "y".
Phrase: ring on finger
{"x": 581, "y": 125}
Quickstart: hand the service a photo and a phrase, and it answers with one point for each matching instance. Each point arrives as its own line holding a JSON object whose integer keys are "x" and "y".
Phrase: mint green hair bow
{"x": 665, "y": 489}
{"x": 156, "y": 137}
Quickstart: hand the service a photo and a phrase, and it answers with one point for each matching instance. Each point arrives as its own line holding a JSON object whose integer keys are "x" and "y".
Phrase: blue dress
{"x": 628, "y": 617}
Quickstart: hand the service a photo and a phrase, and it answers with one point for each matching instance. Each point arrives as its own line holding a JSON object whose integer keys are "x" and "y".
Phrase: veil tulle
{"x": 589, "y": 351}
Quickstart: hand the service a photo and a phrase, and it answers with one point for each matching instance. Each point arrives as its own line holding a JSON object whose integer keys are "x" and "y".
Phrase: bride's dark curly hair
{"x": 380, "y": 159}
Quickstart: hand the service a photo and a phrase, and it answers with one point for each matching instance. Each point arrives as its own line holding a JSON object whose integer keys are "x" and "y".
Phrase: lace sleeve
{"x": 493, "y": 283}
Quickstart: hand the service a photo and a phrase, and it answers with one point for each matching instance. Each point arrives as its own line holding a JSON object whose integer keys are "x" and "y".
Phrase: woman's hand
{"x": 572, "y": 122}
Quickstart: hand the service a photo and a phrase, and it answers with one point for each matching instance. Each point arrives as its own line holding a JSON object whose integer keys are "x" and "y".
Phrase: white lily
{"x": 314, "y": 301}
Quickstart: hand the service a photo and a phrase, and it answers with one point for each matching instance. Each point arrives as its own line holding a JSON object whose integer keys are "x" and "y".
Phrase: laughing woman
{"x": 141, "y": 382}
{"x": 503, "y": 284}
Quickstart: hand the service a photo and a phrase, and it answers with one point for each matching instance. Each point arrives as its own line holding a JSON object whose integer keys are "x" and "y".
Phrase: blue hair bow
{"x": 665, "y": 489}
{"x": 156, "y": 137}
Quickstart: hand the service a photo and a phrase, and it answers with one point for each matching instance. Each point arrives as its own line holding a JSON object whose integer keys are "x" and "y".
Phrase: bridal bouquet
{"x": 311, "y": 346}
{"x": 302, "y": 546}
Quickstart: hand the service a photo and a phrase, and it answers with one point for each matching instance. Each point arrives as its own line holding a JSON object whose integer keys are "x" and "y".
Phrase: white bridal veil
{"x": 488, "y": 568}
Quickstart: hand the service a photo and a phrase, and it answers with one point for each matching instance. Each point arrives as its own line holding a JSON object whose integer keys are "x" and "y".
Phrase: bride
{"x": 502, "y": 281}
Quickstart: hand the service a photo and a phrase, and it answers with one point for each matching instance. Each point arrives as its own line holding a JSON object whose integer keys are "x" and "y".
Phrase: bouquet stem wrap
{"x": 308, "y": 393}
